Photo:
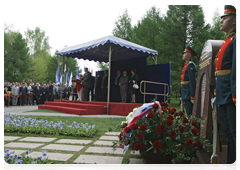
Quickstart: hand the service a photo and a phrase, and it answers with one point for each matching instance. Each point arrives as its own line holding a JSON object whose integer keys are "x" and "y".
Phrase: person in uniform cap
{"x": 188, "y": 80}
{"x": 226, "y": 80}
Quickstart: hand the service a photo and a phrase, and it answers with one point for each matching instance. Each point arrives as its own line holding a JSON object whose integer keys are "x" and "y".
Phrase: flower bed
{"x": 162, "y": 129}
{"x": 24, "y": 159}
{"x": 28, "y": 125}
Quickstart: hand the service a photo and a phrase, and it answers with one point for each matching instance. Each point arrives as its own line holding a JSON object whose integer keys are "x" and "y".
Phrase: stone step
{"x": 92, "y": 159}
{"x": 73, "y": 141}
{"x": 104, "y": 143}
{"x": 11, "y": 138}
{"x": 37, "y": 139}
{"x": 22, "y": 145}
{"x": 63, "y": 147}
{"x": 113, "y": 133}
{"x": 52, "y": 156}
{"x": 109, "y": 138}
{"x": 107, "y": 150}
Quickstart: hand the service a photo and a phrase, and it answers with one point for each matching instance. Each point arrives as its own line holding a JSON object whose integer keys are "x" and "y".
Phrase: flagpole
{"x": 62, "y": 81}
{"x": 109, "y": 74}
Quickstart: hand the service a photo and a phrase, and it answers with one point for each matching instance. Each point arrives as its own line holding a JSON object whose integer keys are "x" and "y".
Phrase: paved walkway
{"x": 100, "y": 152}
{"x": 82, "y": 151}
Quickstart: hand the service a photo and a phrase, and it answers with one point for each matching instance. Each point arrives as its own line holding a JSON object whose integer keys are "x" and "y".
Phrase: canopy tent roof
{"x": 98, "y": 50}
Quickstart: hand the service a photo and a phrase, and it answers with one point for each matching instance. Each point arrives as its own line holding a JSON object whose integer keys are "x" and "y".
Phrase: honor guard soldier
{"x": 188, "y": 80}
{"x": 226, "y": 80}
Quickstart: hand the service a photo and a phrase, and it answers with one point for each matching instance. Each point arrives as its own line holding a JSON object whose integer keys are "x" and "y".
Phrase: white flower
{"x": 134, "y": 110}
{"x": 123, "y": 122}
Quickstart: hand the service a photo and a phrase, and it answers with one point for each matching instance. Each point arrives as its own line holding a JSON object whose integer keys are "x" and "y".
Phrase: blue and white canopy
{"x": 98, "y": 50}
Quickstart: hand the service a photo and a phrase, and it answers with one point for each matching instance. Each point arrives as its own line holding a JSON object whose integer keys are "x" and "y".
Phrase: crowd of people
{"x": 21, "y": 94}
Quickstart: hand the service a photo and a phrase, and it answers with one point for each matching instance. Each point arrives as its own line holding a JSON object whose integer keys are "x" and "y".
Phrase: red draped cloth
{"x": 79, "y": 85}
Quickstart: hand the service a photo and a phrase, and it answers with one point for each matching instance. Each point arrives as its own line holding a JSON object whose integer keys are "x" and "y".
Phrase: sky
{"x": 74, "y": 22}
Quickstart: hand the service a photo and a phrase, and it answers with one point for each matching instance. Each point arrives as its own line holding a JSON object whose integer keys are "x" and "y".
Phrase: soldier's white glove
{"x": 192, "y": 101}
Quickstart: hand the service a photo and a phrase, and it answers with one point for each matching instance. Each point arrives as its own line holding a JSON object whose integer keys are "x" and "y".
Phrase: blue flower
{"x": 11, "y": 157}
{"x": 6, "y": 165}
{"x": 69, "y": 127}
{"x": 27, "y": 152}
{"x": 8, "y": 160}
{"x": 6, "y": 150}
{"x": 86, "y": 124}
{"x": 44, "y": 153}
{"x": 19, "y": 157}
{"x": 19, "y": 162}
{"x": 39, "y": 157}
{"x": 12, "y": 152}
{"x": 93, "y": 126}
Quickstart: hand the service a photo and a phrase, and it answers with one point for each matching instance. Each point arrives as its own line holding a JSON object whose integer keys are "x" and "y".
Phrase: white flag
{"x": 70, "y": 80}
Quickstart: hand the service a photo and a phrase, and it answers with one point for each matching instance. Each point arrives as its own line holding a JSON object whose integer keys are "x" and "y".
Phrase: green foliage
{"x": 17, "y": 62}
{"x": 123, "y": 27}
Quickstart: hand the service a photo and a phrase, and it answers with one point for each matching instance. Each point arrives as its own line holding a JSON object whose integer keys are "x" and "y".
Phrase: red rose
{"x": 142, "y": 145}
{"x": 127, "y": 129}
{"x": 139, "y": 136}
{"x": 173, "y": 134}
{"x": 157, "y": 144}
{"x": 169, "y": 122}
{"x": 155, "y": 105}
{"x": 172, "y": 111}
{"x": 180, "y": 113}
{"x": 150, "y": 115}
{"x": 164, "y": 110}
{"x": 194, "y": 123}
{"x": 137, "y": 146}
{"x": 134, "y": 126}
{"x": 120, "y": 136}
{"x": 194, "y": 131}
{"x": 170, "y": 117}
{"x": 182, "y": 129}
{"x": 163, "y": 104}
{"x": 162, "y": 128}
{"x": 159, "y": 129}
{"x": 185, "y": 120}
{"x": 143, "y": 127}
{"x": 181, "y": 148}
{"x": 197, "y": 143}
{"x": 189, "y": 142}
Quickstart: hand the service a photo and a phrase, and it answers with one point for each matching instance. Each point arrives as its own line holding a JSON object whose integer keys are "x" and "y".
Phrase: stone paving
{"x": 100, "y": 152}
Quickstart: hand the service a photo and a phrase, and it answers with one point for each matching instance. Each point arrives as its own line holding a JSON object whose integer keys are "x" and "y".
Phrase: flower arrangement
{"x": 165, "y": 130}
{"x": 24, "y": 159}
{"x": 29, "y": 125}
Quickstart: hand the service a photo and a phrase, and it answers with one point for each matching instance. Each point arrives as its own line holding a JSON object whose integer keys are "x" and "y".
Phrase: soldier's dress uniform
{"x": 226, "y": 86}
{"x": 188, "y": 82}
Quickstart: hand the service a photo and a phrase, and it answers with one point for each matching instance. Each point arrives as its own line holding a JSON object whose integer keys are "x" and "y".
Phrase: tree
{"x": 39, "y": 52}
{"x": 17, "y": 62}
{"x": 183, "y": 24}
{"x": 148, "y": 31}
{"x": 215, "y": 32}
{"x": 123, "y": 27}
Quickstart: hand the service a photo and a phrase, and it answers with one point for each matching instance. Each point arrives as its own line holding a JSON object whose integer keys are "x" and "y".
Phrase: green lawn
{"x": 103, "y": 125}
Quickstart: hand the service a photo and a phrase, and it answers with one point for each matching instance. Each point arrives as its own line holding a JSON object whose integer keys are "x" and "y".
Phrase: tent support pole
{"x": 62, "y": 81}
{"x": 109, "y": 74}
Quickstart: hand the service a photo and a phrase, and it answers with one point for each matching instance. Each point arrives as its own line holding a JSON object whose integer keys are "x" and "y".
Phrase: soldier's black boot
{"x": 231, "y": 154}
{"x": 235, "y": 162}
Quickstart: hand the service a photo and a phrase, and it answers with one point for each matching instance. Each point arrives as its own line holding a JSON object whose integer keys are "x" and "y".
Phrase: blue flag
{"x": 60, "y": 77}
{"x": 67, "y": 78}
{"x": 57, "y": 76}
{"x": 77, "y": 74}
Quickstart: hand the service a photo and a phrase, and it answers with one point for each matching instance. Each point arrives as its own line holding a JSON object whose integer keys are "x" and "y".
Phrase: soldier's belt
{"x": 185, "y": 82}
{"x": 223, "y": 72}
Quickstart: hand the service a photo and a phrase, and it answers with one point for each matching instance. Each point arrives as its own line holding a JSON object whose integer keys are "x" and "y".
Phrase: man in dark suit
{"x": 38, "y": 93}
{"x": 50, "y": 91}
{"x": 117, "y": 88}
{"x": 86, "y": 80}
{"x": 98, "y": 87}
{"x": 226, "y": 80}
{"x": 23, "y": 91}
{"x": 92, "y": 87}
{"x": 105, "y": 86}
{"x": 188, "y": 80}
